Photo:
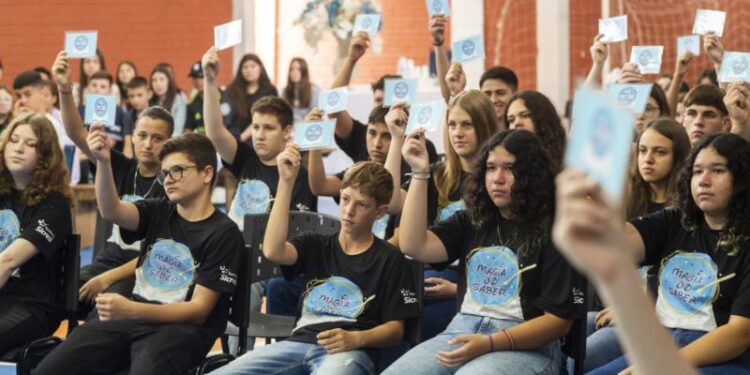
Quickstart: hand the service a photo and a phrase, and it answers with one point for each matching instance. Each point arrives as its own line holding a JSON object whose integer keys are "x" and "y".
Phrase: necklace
{"x": 135, "y": 179}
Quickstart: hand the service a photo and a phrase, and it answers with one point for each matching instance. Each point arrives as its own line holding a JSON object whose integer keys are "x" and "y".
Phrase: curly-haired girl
{"x": 532, "y": 111}
{"x": 516, "y": 291}
{"x": 35, "y": 219}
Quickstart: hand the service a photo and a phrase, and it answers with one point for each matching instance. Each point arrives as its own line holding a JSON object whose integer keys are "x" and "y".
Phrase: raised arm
{"x": 71, "y": 118}
{"x": 715, "y": 51}
{"x": 275, "y": 246}
{"x": 673, "y": 93}
{"x": 737, "y": 101}
{"x": 223, "y": 140}
{"x": 437, "y": 31}
{"x": 599, "y": 53}
{"x": 396, "y": 120}
{"x": 588, "y": 230}
{"x": 357, "y": 48}
{"x": 320, "y": 184}
{"x": 124, "y": 214}
{"x": 414, "y": 238}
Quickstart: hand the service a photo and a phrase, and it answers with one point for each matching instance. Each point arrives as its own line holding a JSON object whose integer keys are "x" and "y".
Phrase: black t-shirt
{"x": 257, "y": 186}
{"x": 176, "y": 254}
{"x": 339, "y": 285}
{"x": 489, "y": 265}
{"x": 689, "y": 264}
{"x": 46, "y": 226}
{"x": 130, "y": 186}
{"x": 116, "y": 131}
{"x": 356, "y": 147}
{"x": 194, "y": 119}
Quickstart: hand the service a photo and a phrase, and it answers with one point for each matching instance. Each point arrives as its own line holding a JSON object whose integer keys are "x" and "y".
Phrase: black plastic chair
{"x": 28, "y": 356}
{"x": 102, "y": 231}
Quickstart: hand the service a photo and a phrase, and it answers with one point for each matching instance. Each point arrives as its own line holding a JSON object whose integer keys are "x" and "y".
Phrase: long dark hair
{"x": 120, "y": 84}
{"x": 737, "y": 153}
{"x": 533, "y": 192}
{"x": 171, "y": 88}
{"x": 547, "y": 124}
{"x": 84, "y": 79}
{"x": 639, "y": 191}
{"x": 238, "y": 88}
{"x": 301, "y": 91}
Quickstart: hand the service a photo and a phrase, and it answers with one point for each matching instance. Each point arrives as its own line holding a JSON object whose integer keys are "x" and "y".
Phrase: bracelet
{"x": 61, "y": 89}
{"x": 436, "y": 44}
{"x": 510, "y": 339}
{"x": 420, "y": 177}
{"x": 492, "y": 344}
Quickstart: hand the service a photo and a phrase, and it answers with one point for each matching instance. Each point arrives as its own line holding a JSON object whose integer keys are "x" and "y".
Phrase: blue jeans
{"x": 293, "y": 358}
{"x": 436, "y": 314}
{"x": 683, "y": 337}
{"x": 421, "y": 359}
{"x": 602, "y": 345}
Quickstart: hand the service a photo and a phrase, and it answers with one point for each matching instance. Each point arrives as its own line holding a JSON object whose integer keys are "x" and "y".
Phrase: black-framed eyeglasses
{"x": 175, "y": 173}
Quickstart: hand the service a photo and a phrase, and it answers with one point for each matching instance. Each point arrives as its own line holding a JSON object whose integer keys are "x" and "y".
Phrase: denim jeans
{"x": 282, "y": 296}
{"x": 602, "y": 345}
{"x": 298, "y": 358}
{"x": 421, "y": 359}
{"x": 683, "y": 337}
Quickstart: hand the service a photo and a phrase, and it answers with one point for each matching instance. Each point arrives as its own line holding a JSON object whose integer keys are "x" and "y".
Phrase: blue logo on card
{"x": 645, "y": 57}
{"x": 424, "y": 115}
{"x": 333, "y": 98}
{"x": 100, "y": 107}
{"x": 493, "y": 276}
{"x": 739, "y": 65}
{"x": 450, "y": 209}
{"x": 252, "y": 197}
{"x": 81, "y": 42}
{"x": 468, "y": 47}
{"x": 335, "y": 296}
{"x": 313, "y": 132}
{"x": 401, "y": 90}
{"x": 437, "y": 6}
{"x": 169, "y": 265}
{"x": 366, "y": 22}
{"x": 687, "y": 281}
{"x": 10, "y": 228}
{"x": 603, "y": 133}
{"x": 626, "y": 96}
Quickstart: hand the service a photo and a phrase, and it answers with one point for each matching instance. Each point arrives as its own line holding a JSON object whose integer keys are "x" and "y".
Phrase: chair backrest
{"x": 102, "y": 231}
{"x": 299, "y": 222}
{"x": 69, "y": 276}
{"x": 239, "y": 309}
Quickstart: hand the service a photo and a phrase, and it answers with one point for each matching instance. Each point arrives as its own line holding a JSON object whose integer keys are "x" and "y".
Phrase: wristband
{"x": 510, "y": 339}
{"x": 63, "y": 90}
{"x": 492, "y": 344}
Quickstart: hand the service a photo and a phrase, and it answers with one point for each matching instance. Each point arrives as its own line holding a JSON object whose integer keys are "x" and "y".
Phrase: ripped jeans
{"x": 298, "y": 358}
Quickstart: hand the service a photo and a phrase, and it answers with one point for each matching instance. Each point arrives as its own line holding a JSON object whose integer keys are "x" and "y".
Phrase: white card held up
{"x": 648, "y": 58}
{"x": 468, "y": 49}
{"x": 332, "y": 101}
{"x": 438, "y": 7}
{"x": 689, "y": 43}
{"x": 314, "y": 135}
{"x": 428, "y": 116}
{"x": 614, "y": 29}
{"x": 735, "y": 67}
{"x": 100, "y": 109}
{"x": 228, "y": 35}
{"x": 369, "y": 23}
{"x": 631, "y": 95}
{"x": 709, "y": 20}
{"x": 80, "y": 44}
{"x": 400, "y": 90}
{"x": 601, "y": 139}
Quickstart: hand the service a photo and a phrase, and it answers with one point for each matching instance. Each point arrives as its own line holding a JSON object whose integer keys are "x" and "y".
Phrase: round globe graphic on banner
{"x": 313, "y": 133}
{"x": 81, "y": 42}
{"x": 687, "y": 281}
{"x": 169, "y": 265}
{"x": 336, "y": 296}
{"x": 468, "y": 48}
{"x": 401, "y": 90}
{"x": 739, "y": 65}
{"x": 493, "y": 278}
{"x": 252, "y": 197}
{"x": 100, "y": 107}
{"x": 626, "y": 96}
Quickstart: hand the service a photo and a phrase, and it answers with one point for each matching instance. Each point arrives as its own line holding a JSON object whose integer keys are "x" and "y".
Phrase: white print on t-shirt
{"x": 167, "y": 272}
{"x": 409, "y": 296}
{"x": 687, "y": 289}
{"x": 43, "y": 228}
{"x": 227, "y": 276}
{"x": 116, "y": 237}
{"x": 10, "y": 228}
{"x": 251, "y": 197}
{"x": 578, "y": 296}
{"x": 336, "y": 299}
{"x": 493, "y": 284}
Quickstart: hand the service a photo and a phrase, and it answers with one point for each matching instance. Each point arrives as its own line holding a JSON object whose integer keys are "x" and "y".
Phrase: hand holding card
{"x": 400, "y": 90}
{"x": 709, "y": 21}
{"x": 100, "y": 109}
{"x": 689, "y": 43}
{"x": 736, "y": 67}
{"x": 648, "y": 58}
{"x": 369, "y": 23}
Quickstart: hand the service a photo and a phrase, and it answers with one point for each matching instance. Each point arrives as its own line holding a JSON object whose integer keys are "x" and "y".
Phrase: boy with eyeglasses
{"x": 184, "y": 276}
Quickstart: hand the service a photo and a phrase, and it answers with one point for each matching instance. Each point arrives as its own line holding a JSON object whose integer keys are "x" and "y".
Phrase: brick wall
{"x": 510, "y": 37}
{"x": 144, "y": 31}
